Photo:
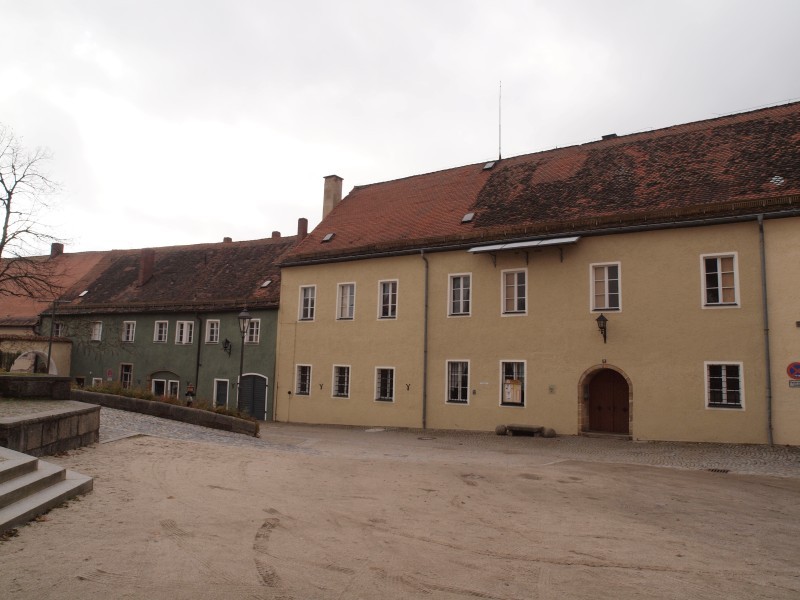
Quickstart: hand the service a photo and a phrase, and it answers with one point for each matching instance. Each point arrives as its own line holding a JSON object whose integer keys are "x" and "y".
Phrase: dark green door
{"x": 253, "y": 397}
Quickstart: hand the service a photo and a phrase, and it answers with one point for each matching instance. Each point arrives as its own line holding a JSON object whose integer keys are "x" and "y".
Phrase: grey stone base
{"x": 48, "y": 432}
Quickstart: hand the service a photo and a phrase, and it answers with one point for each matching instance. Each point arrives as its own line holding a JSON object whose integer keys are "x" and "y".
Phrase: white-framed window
{"x": 460, "y": 294}
{"x": 515, "y": 292}
{"x": 160, "y": 332}
{"x": 212, "y": 331}
{"x": 724, "y": 384}
{"x": 59, "y": 329}
{"x": 308, "y": 296}
{"x": 221, "y": 387}
{"x": 346, "y": 301}
{"x": 341, "y": 381}
{"x": 512, "y": 376}
{"x": 302, "y": 384}
{"x": 253, "y": 334}
{"x": 384, "y": 384}
{"x": 158, "y": 387}
{"x": 387, "y": 303}
{"x": 97, "y": 381}
{"x": 184, "y": 332}
{"x": 174, "y": 388}
{"x": 128, "y": 331}
{"x": 126, "y": 375}
{"x": 606, "y": 286}
{"x": 97, "y": 331}
{"x": 458, "y": 381}
{"x": 720, "y": 280}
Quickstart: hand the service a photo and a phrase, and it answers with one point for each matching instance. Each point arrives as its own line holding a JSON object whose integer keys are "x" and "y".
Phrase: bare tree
{"x": 24, "y": 188}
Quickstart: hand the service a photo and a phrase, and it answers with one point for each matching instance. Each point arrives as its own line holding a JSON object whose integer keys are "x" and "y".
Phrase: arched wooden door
{"x": 609, "y": 403}
{"x": 253, "y": 397}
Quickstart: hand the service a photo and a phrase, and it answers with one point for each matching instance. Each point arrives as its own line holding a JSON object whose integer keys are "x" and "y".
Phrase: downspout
{"x": 765, "y": 308}
{"x": 425, "y": 347}
{"x": 197, "y": 364}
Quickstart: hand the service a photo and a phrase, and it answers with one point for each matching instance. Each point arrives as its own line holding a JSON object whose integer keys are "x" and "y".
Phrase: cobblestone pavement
{"x": 118, "y": 424}
{"x": 781, "y": 461}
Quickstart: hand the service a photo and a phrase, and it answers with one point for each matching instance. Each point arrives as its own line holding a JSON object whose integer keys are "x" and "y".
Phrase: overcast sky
{"x": 184, "y": 121}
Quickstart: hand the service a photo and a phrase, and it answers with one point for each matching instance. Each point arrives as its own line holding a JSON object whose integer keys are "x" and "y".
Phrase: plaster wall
{"x": 659, "y": 340}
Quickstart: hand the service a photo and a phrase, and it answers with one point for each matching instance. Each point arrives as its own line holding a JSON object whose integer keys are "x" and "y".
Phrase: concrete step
{"x": 13, "y": 464}
{"x": 39, "y": 502}
{"x": 29, "y": 483}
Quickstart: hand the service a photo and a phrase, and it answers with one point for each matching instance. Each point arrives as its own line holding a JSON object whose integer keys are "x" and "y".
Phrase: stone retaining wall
{"x": 175, "y": 412}
{"x": 33, "y": 386}
{"x": 52, "y": 431}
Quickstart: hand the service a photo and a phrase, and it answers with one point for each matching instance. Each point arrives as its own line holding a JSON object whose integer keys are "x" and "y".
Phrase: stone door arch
{"x": 606, "y": 401}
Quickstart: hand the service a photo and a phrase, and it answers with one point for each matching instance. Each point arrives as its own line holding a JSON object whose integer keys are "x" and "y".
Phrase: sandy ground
{"x": 352, "y": 514}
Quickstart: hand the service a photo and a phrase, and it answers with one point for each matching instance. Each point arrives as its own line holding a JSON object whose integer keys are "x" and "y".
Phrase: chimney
{"x": 332, "y": 194}
{"x": 276, "y": 235}
{"x": 56, "y": 249}
{"x": 146, "y": 261}
{"x": 302, "y": 227}
{"x": 227, "y": 240}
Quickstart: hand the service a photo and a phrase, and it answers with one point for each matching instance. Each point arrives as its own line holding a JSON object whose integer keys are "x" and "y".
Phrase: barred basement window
{"x": 303, "y": 380}
{"x": 341, "y": 381}
{"x": 724, "y": 387}
{"x": 384, "y": 384}
{"x": 457, "y": 381}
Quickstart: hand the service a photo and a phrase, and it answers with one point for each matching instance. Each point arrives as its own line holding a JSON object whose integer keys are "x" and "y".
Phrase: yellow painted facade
{"x": 661, "y": 340}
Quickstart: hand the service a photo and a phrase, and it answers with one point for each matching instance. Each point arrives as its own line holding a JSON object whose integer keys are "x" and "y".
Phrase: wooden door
{"x": 608, "y": 403}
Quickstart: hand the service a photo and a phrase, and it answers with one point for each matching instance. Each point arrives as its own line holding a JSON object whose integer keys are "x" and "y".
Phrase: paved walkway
{"x": 781, "y": 461}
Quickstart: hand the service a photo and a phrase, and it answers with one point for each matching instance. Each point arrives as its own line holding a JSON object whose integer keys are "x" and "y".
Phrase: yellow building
{"x": 644, "y": 285}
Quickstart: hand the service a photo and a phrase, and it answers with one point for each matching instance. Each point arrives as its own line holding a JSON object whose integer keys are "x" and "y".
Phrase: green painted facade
{"x": 169, "y": 366}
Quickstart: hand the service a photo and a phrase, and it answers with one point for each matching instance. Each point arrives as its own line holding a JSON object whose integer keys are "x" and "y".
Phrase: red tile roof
{"x": 220, "y": 276}
{"x": 730, "y": 165}
{"x": 203, "y": 277}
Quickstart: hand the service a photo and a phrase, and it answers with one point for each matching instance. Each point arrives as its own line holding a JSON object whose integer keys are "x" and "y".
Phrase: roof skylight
{"x": 489, "y": 165}
{"x": 266, "y": 283}
{"x": 467, "y": 218}
{"x": 328, "y": 237}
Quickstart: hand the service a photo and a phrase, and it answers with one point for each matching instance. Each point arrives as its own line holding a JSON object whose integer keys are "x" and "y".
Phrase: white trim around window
{"x": 97, "y": 331}
{"x": 724, "y": 384}
{"x": 307, "y": 304}
{"x": 212, "y": 331}
{"x": 514, "y": 292}
{"x": 128, "y": 331}
{"x": 456, "y": 382}
{"x": 384, "y": 384}
{"x": 605, "y": 287}
{"x": 340, "y": 385}
{"x": 160, "y": 332}
{"x": 345, "y": 301}
{"x": 184, "y": 332}
{"x": 512, "y": 382}
{"x": 253, "y": 335}
{"x": 459, "y": 294}
{"x": 719, "y": 280}
{"x": 388, "y": 290}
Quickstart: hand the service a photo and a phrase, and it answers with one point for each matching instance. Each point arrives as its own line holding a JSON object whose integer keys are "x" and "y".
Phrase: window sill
{"x": 461, "y": 402}
{"x": 459, "y": 315}
{"x": 305, "y": 320}
{"x": 513, "y": 404}
{"x": 384, "y": 399}
{"x": 344, "y": 318}
{"x": 721, "y": 305}
{"x": 606, "y": 309}
{"x": 725, "y": 406}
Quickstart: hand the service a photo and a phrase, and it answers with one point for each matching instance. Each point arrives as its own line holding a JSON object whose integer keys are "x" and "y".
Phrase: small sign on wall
{"x": 794, "y": 384}
{"x": 793, "y": 370}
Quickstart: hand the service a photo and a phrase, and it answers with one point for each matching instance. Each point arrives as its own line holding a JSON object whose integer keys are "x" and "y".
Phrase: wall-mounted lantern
{"x": 602, "y": 325}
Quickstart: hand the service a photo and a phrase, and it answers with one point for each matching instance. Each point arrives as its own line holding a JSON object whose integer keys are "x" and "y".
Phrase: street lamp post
{"x": 244, "y": 325}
